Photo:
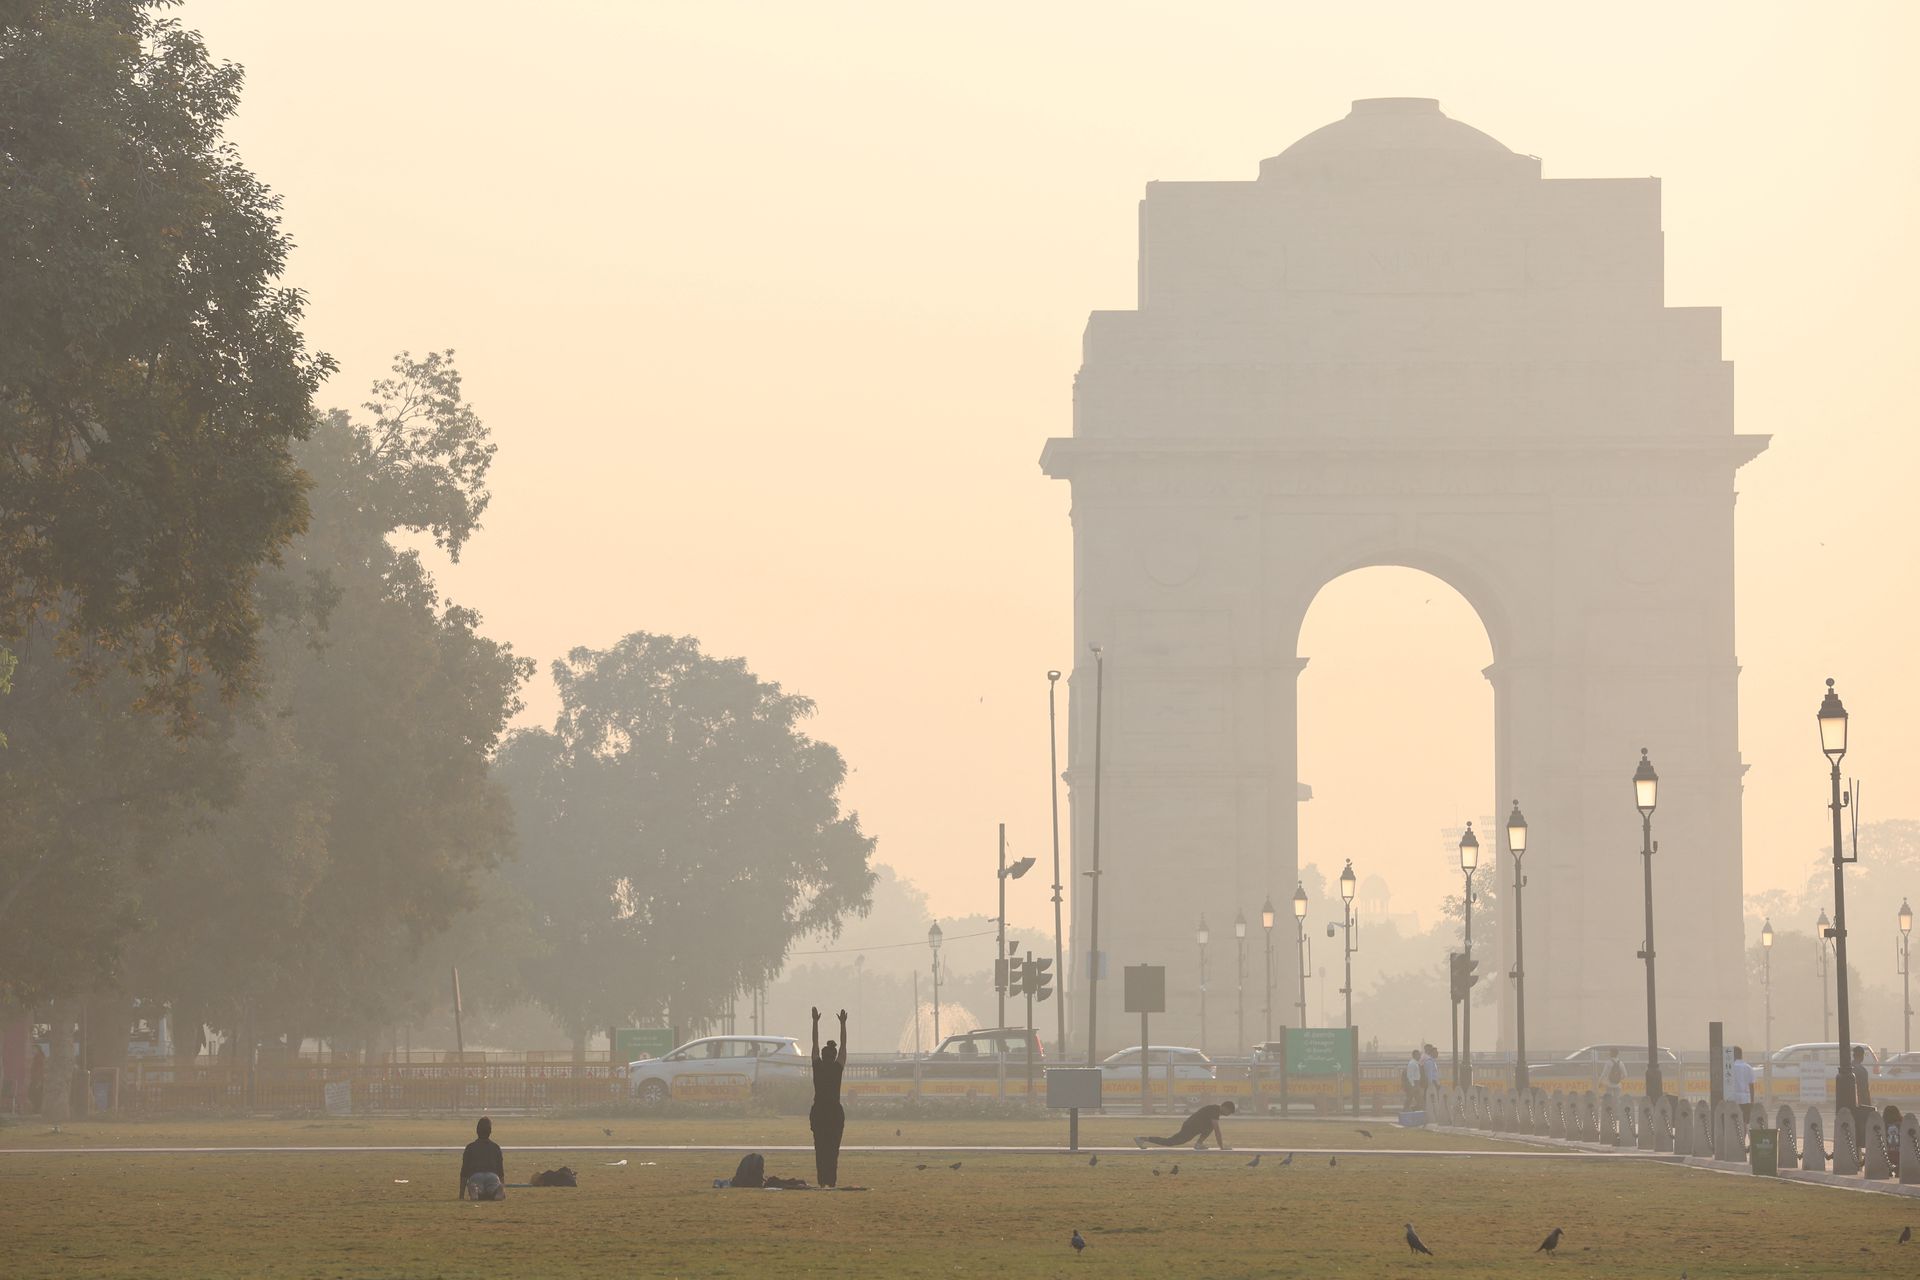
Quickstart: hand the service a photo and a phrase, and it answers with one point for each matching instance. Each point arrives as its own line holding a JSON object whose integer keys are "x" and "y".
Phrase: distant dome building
{"x": 1397, "y": 138}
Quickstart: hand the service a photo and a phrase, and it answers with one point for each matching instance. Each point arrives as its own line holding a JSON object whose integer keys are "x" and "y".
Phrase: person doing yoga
{"x": 1201, "y": 1123}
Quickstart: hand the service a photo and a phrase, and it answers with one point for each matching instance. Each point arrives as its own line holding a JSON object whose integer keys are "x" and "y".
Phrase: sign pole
{"x": 1146, "y": 1084}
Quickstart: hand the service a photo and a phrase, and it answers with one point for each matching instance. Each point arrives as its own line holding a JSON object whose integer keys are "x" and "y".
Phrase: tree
{"x": 369, "y": 815}
{"x": 677, "y": 832}
{"x": 153, "y": 379}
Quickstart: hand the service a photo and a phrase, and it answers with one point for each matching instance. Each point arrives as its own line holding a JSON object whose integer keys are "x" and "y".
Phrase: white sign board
{"x": 1813, "y": 1081}
{"x": 1726, "y": 1071}
{"x": 339, "y": 1098}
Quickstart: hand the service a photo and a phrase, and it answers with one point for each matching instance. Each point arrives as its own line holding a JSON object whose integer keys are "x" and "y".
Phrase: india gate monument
{"x": 1399, "y": 344}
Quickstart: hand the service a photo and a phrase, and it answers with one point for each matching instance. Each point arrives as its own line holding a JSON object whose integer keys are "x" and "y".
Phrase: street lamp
{"x": 1200, "y": 936}
{"x": 1240, "y": 983}
{"x": 1093, "y": 905}
{"x": 1823, "y": 943}
{"x": 1002, "y": 964}
{"x": 933, "y": 940}
{"x": 1306, "y": 956}
{"x": 1059, "y": 934}
{"x": 1646, "y": 793}
{"x": 1266, "y": 923}
{"x": 1469, "y": 859}
{"x": 1833, "y": 743}
{"x": 1906, "y": 985}
{"x": 1517, "y": 845}
{"x": 1766, "y": 954}
{"x": 1348, "y": 923}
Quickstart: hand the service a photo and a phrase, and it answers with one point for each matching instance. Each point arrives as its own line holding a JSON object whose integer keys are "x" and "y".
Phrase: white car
{"x": 1787, "y": 1062}
{"x": 723, "y": 1062}
{"x": 1188, "y": 1064}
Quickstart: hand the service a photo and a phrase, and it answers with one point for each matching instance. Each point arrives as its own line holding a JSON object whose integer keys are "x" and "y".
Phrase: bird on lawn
{"x": 1174, "y": 1172}
{"x": 919, "y": 1166}
{"x": 1332, "y": 1161}
{"x": 608, "y": 1132}
{"x": 1254, "y": 1163}
{"x": 1156, "y": 1173}
{"x": 1906, "y": 1234}
{"x": 1414, "y": 1243}
{"x": 1077, "y": 1243}
{"x": 1364, "y": 1133}
{"x": 955, "y": 1165}
{"x": 1092, "y": 1161}
{"x": 1551, "y": 1243}
{"x": 896, "y": 1133}
{"x": 1287, "y": 1161}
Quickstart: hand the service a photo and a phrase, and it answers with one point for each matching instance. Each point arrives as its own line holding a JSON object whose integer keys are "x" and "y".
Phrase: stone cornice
{"x": 1063, "y": 454}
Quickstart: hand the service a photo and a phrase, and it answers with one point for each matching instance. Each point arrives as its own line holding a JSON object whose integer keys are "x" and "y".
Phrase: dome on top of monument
{"x": 1397, "y": 137}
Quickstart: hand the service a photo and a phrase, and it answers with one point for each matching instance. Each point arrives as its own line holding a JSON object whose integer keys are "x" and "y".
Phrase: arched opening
{"x": 1396, "y": 741}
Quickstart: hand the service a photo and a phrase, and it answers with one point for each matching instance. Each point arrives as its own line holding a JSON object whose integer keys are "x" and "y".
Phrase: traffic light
{"x": 1000, "y": 968}
{"x": 1040, "y": 978}
{"x": 1016, "y": 976}
{"x": 1463, "y": 974}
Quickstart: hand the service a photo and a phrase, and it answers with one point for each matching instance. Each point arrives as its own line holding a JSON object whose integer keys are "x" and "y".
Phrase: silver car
{"x": 719, "y": 1063}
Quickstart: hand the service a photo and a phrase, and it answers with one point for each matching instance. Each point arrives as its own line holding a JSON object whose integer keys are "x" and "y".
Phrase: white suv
{"x": 717, "y": 1067}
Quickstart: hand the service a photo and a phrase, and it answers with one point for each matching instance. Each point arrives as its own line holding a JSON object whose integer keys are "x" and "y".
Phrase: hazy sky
{"x": 771, "y": 307}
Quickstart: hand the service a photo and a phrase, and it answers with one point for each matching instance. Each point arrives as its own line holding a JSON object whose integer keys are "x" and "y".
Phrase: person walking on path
{"x": 1742, "y": 1086}
{"x": 1414, "y": 1073}
{"x": 483, "y": 1171}
{"x": 827, "y": 1118}
{"x": 1612, "y": 1074}
{"x": 1862, "y": 1093}
{"x": 1198, "y": 1126}
{"x": 1431, "y": 1066}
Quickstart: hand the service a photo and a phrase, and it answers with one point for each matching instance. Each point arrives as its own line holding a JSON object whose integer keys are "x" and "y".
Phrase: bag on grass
{"x": 561, "y": 1177}
{"x": 751, "y": 1171}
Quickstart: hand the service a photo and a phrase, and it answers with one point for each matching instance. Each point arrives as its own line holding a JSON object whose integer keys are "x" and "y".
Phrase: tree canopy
{"x": 153, "y": 378}
{"x": 677, "y": 832}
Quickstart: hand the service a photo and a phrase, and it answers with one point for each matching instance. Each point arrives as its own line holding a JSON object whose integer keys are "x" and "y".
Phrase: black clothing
{"x": 481, "y": 1156}
{"x": 1862, "y": 1086}
{"x": 827, "y": 1119}
{"x": 1198, "y": 1125}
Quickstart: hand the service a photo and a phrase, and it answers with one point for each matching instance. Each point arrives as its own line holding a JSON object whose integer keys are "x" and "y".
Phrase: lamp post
{"x": 1266, "y": 923}
{"x": 1906, "y": 984}
{"x": 1350, "y": 919}
{"x": 1059, "y": 934}
{"x": 1200, "y": 936}
{"x": 1646, "y": 794}
{"x": 1517, "y": 845}
{"x": 1306, "y": 956}
{"x": 1093, "y": 906}
{"x": 1833, "y": 743}
{"x": 933, "y": 941}
{"x": 1240, "y": 983}
{"x": 1823, "y": 943}
{"x": 1766, "y": 959}
{"x": 1469, "y": 860}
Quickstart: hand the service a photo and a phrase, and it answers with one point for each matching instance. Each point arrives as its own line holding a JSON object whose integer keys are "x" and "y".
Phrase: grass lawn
{"x": 345, "y": 1215}
{"x": 697, "y": 1130}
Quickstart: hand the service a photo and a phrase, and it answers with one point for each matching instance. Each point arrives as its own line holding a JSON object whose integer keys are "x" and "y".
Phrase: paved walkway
{"x": 1304, "y": 1154}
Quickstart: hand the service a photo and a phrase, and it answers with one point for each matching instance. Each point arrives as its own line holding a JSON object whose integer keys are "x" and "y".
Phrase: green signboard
{"x": 630, "y": 1044}
{"x": 1319, "y": 1051}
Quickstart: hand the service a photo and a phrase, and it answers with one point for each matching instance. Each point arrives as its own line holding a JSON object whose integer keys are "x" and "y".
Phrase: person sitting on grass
{"x": 483, "y": 1172}
{"x": 1198, "y": 1125}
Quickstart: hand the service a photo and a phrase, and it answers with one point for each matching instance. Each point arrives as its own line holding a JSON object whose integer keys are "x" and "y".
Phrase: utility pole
{"x": 1059, "y": 934}
{"x": 1000, "y": 952}
{"x": 1093, "y": 910}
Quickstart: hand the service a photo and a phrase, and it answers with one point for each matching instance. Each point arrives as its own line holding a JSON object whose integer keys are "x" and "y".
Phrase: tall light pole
{"x": 1906, "y": 983}
{"x": 1469, "y": 860}
{"x": 1833, "y": 743}
{"x": 1240, "y": 983}
{"x": 1059, "y": 933}
{"x": 1266, "y": 923}
{"x": 1517, "y": 845}
{"x": 933, "y": 941}
{"x": 1822, "y": 944}
{"x": 1200, "y": 936}
{"x": 1766, "y": 956}
{"x": 1093, "y": 908}
{"x": 1646, "y": 795}
{"x": 1306, "y": 956}
{"x": 1351, "y": 918}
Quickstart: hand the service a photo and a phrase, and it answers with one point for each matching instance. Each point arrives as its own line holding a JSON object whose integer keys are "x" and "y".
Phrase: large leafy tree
{"x": 678, "y": 831}
{"x": 153, "y": 379}
{"x": 369, "y": 813}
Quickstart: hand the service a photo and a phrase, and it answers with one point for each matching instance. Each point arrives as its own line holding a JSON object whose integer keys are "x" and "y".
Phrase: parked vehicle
{"x": 1787, "y": 1062}
{"x": 758, "y": 1058}
{"x": 1188, "y": 1064}
{"x": 1902, "y": 1066}
{"x": 1585, "y": 1064}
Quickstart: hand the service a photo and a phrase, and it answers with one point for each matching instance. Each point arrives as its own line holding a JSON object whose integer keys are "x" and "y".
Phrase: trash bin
{"x": 1763, "y": 1152}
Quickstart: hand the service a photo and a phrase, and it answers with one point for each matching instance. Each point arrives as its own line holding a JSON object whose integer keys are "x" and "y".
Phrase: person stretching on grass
{"x": 827, "y": 1118}
{"x": 483, "y": 1171}
{"x": 1201, "y": 1123}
